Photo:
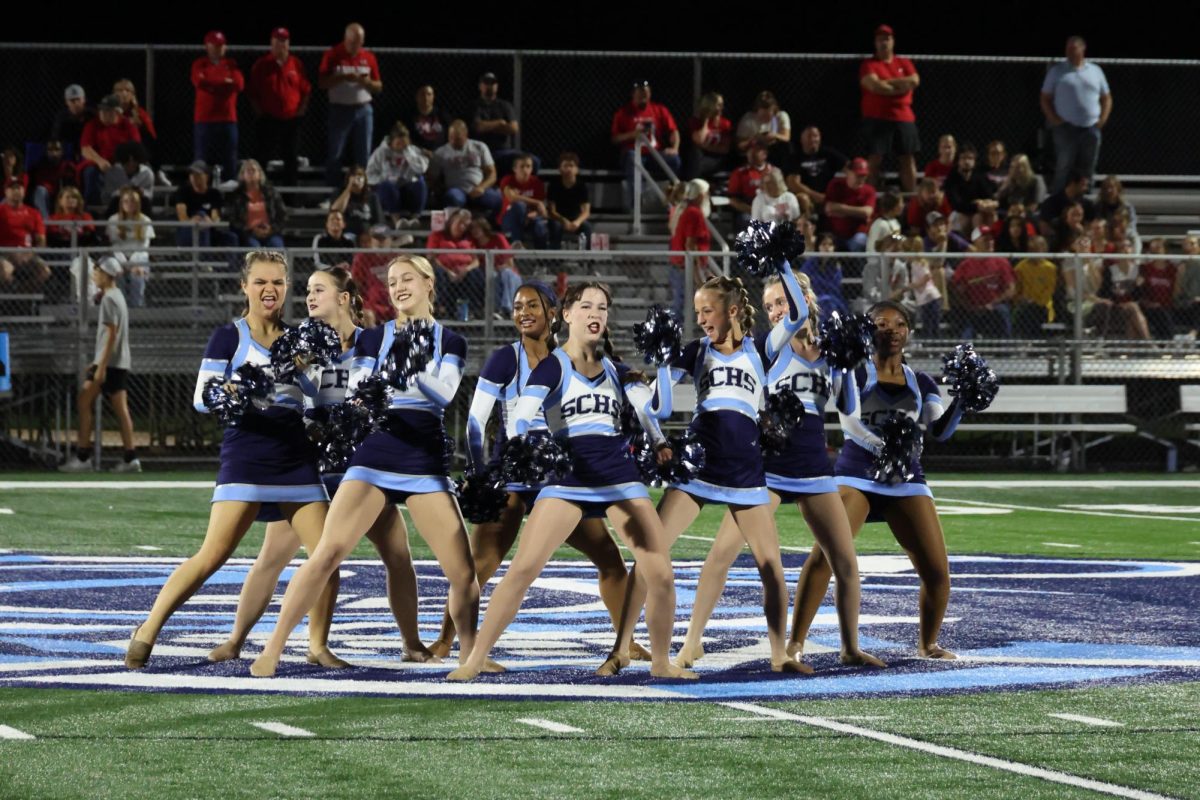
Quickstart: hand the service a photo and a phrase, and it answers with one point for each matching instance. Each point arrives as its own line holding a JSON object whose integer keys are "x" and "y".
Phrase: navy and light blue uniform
{"x": 408, "y": 456}
{"x": 585, "y": 415}
{"x": 266, "y": 458}
{"x": 335, "y": 380}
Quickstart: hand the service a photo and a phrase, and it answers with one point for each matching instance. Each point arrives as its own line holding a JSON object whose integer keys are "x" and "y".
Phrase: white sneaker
{"x": 73, "y": 464}
{"x": 128, "y": 466}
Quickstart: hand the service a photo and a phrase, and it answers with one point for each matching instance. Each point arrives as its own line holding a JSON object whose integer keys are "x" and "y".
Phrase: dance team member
{"x": 404, "y": 462}
{"x": 266, "y": 461}
{"x": 886, "y": 384}
{"x": 582, "y": 391}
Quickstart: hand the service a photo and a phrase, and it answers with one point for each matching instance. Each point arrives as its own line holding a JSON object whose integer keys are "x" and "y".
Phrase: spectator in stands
{"x": 1077, "y": 102}
{"x": 69, "y": 122}
{"x": 494, "y": 122}
{"x": 884, "y": 276}
{"x": 350, "y": 74}
{"x": 969, "y": 192}
{"x": 943, "y": 165}
{"x": 711, "y": 138}
{"x": 218, "y": 83}
{"x": 369, "y": 271}
{"x": 926, "y": 285}
{"x": 1021, "y": 185}
{"x": 643, "y": 117}
{"x": 1033, "y": 303}
{"x": 745, "y": 181}
{"x": 12, "y": 166}
{"x": 982, "y": 288}
{"x": 1111, "y": 202}
{"x": 997, "y": 164}
{"x": 849, "y": 204}
{"x": 130, "y": 234}
{"x": 429, "y": 124}
{"x": 255, "y": 210}
{"x": 69, "y": 207}
{"x": 1158, "y": 278}
{"x": 21, "y": 228}
{"x": 396, "y": 173}
{"x": 279, "y": 94}
{"x": 889, "y": 125}
{"x": 568, "y": 204}
{"x": 774, "y": 203}
{"x": 939, "y": 238}
{"x": 767, "y": 123}
{"x": 929, "y": 198}
{"x": 1121, "y": 233}
{"x": 467, "y": 171}
{"x": 359, "y": 205}
{"x": 129, "y": 169}
{"x": 326, "y": 243}
{"x": 825, "y": 276}
{"x": 813, "y": 167}
{"x": 691, "y": 235}
{"x": 524, "y": 209}
{"x": 460, "y": 285}
{"x": 886, "y": 222}
{"x": 49, "y": 176}
{"x": 98, "y": 144}
{"x": 1051, "y": 209}
{"x": 197, "y": 201}
{"x": 1070, "y": 226}
{"x": 126, "y": 94}
{"x": 1116, "y": 310}
{"x": 508, "y": 279}
{"x": 1187, "y": 288}
{"x": 1014, "y": 234}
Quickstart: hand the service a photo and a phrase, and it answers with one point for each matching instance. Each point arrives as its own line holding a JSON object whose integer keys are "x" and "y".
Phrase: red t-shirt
{"x": 452, "y": 261}
{"x": 19, "y": 226}
{"x": 62, "y": 234}
{"x": 279, "y": 89}
{"x": 745, "y": 181}
{"x": 938, "y": 171}
{"x": 147, "y": 122}
{"x": 982, "y": 280}
{"x": 337, "y": 61}
{"x": 691, "y": 225}
{"x": 369, "y": 271}
{"x": 915, "y": 213}
{"x": 878, "y": 106}
{"x": 718, "y": 134}
{"x": 105, "y": 138}
{"x": 838, "y": 191}
{"x": 629, "y": 117}
{"x": 531, "y": 188}
{"x": 217, "y": 86}
{"x": 1159, "y": 286}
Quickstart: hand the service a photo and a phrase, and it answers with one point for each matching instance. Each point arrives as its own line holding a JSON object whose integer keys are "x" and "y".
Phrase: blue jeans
{"x": 408, "y": 197}
{"x": 675, "y": 278}
{"x": 41, "y": 201}
{"x": 1075, "y": 148}
{"x": 627, "y": 168}
{"x": 217, "y": 143}
{"x": 507, "y": 282}
{"x": 994, "y": 324}
{"x": 515, "y": 222}
{"x": 855, "y": 244}
{"x": 931, "y": 318}
{"x": 490, "y": 201}
{"x": 557, "y": 232}
{"x": 272, "y": 241}
{"x": 92, "y": 179}
{"x": 450, "y": 294}
{"x": 353, "y": 123}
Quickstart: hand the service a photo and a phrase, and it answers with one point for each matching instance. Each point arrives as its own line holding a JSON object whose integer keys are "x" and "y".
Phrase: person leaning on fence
{"x": 887, "y": 82}
{"x": 524, "y": 210}
{"x": 1077, "y": 102}
{"x": 691, "y": 235}
{"x": 332, "y": 239}
{"x": 108, "y": 373}
{"x": 1187, "y": 288}
{"x": 396, "y": 173}
{"x": 98, "y": 144}
{"x": 467, "y": 172}
{"x": 494, "y": 122}
{"x": 350, "y": 74}
{"x": 70, "y": 120}
{"x": 218, "y": 83}
{"x": 643, "y": 117}
{"x": 569, "y": 204}
{"x": 279, "y": 93}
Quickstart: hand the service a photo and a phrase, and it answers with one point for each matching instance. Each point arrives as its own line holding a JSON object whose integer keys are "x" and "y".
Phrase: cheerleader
{"x": 582, "y": 392}
{"x": 727, "y": 370}
{"x": 403, "y": 463}
{"x": 267, "y": 463}
{"x": 502, "y": 379}
{"x": 800, "y": 474}
{"x": 887, "y": 384}
{"x": 333, "y": 298}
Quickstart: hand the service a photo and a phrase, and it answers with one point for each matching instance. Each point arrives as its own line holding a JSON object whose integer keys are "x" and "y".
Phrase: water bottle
{"x": 216, "y": 175}
{"x": 464, "y": 310}
{"x": 583, "y": 242}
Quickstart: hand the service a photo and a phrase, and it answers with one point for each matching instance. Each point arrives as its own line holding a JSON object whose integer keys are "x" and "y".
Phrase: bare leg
{"x": 440, "y": 524}
{"x": 278, "y": 548}
{"x": 914, "y": 523}
{"x": 591, "y": 537}
{"x": 308, "y": 522}
{"x": 908, "y": 172}
{"x": 390, "y": 537}
{"x": 120, "y": 404}
{"x": 87, "y": 399}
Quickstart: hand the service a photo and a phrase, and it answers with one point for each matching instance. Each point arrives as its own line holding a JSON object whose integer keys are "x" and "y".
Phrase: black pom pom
{"x": 250, "y": 387}
{"x": 658, "y": 339}
{"x": 411, "y": 352}
{"x": 449, "y": 447}
{"x": 375, "y": 395}
{"x": 784, "y": 411}
{"x": 847, "y": 341}
{"x": 687, "y": 459}
{"x": 481, "y": 497}
{"x": 340, "y": 435}
{"x": 533, "y": 459}
{"x": 764, "y": 248}
{"x": 902, "y": 445}
{"x": 312, "y": 343}
{"x": 971, "y": 380}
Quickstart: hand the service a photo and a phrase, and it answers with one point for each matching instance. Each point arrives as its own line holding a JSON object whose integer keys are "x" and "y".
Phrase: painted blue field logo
{"x": 1015, "y": 622}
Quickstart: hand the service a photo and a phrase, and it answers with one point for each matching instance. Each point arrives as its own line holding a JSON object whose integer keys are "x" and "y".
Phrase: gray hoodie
{"x": 400, "y": 166}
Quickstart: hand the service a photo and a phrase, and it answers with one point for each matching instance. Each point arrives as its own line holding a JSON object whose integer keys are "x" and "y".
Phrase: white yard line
{"x": 105, "y": 485}
{"x": 1069, "y": 484}
{"x": 954, "y": 753}
{"x": 146, "y": 547}
{"x": 1050, "y": 510}
{"x": 1060, "y": 544}
{"x": 1093, "y": 721}
{"x": 545, "y": 724}
{"x": 281, "y": 729}
{"x": 12, "y": 733}
{"x": 7, "y": 511}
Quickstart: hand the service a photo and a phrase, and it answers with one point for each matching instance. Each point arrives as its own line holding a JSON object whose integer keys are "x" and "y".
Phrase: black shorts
{"x": 883, "y": 136}
{"x": 114, "y": 379}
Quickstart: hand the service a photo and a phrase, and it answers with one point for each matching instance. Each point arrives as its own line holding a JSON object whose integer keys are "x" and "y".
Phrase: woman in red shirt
{"x": 690, "y": 235}
{"x": 69, "y": 207}
{"x": 1157, "y": 279}
{"x": 126, "y": 92}
{"x": 508, "y": 280}
{"x": 711, "y": 138}
{"x": 460, "y": 281}
{"x": 943, "y": 165}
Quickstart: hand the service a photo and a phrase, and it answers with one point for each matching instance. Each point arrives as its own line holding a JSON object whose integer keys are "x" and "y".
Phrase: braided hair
{"x": 733, "y": 293}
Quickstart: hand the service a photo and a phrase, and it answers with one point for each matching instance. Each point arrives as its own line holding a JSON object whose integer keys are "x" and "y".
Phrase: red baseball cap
{"x": 283, "y": 34}
{"x": 858, "y": 166}
{"x": 214, "y": 37}
{"x": 885, "y": 30}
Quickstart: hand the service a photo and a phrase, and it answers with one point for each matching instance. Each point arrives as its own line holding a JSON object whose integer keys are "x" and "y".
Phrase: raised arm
{"x": 797, "y": 314}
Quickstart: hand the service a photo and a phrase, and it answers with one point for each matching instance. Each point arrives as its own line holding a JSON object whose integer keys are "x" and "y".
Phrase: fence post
{"x": 489, "y": 293}
{"x": 518, "y": 76}
{"x": 1077, "y": 332}
{"x": 149, "y": 89}
{"x": 195, "y": 263}
{"x": 697, "y": 79}
{"x": 637, "y": 186}
{"x": 689, "y": 288}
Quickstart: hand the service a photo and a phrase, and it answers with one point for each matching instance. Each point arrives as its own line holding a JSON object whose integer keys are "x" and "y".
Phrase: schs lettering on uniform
{"x": 589, "y": 404}
{"x": 335, "y": 379}
{"x": 810, "y": 383}
{"x": 728, "y": 376}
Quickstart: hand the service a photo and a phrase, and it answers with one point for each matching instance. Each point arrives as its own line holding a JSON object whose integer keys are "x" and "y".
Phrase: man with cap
{"x": 279, "y": 93}
{"x": 494, "y": 122}
{"x": 641, "y": 116}
{"x": 889, "y": 125}
{"x": 101, "y": 137}
{"x": 108, "y": 372}
{"x": 196, "y": 201}
{"x": 21, "y": 228}
{"x": 68, "y": 123}
{"x": 218, "y": 82}
{"x": 849, "y": 204}
{"x": 350, "y": 74}
{"x": 746, "y": 180}
{"x": 1077, "y": 102}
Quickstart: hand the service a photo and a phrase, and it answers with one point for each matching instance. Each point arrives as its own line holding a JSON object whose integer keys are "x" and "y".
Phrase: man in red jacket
{"x": 279, "y": 94}
{"x": 218, "y": 81}
{"x": 887, "y": 82}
